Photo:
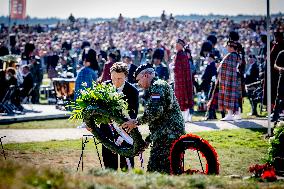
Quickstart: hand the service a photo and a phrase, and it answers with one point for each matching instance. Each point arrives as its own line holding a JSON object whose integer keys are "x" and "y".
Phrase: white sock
{"x": 185, "y": 115}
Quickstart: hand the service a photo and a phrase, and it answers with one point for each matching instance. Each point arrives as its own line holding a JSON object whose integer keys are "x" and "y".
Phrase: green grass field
{"x": 53, "y": 165}
{"x": 65, "y": 123}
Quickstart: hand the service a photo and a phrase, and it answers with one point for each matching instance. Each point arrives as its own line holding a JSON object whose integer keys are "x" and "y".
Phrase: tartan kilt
{"x": 183, "y": 87}
{"x": 229, "y": 83}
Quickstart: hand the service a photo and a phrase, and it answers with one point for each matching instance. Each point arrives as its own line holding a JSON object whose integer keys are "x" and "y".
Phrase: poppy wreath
{"x": 192, "y": 142}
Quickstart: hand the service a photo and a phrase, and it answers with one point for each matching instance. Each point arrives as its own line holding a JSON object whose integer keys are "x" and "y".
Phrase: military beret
{"x": 141, "y": 68}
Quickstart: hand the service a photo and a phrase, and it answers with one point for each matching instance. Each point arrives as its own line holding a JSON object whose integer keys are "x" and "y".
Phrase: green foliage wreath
{"x": 101, "y": 104}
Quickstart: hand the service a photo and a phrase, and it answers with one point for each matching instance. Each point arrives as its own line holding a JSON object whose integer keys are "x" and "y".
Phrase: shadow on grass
{"x": 207, "y": 124}
{"x": 246, "y": 124}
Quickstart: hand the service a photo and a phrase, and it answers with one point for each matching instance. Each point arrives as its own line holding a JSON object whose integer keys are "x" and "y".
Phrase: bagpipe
{"x": 255, "y": 91}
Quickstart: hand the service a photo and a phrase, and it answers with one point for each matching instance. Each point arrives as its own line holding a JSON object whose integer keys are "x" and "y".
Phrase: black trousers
{"x": 110, "y": 158}
{"x": 279, "y": 102}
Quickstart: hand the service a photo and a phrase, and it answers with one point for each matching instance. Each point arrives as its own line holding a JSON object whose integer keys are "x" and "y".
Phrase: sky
{"x": 136, "y": 8}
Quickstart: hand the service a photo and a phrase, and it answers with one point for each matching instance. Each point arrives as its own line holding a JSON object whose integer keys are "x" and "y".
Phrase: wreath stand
{"x": 3, "y": 152}
{"x": 123, "y": 137}
{"x": 85, "y": 140}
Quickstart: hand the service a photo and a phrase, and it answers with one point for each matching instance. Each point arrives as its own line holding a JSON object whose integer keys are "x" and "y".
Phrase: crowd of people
{"x": 221, "y": 55}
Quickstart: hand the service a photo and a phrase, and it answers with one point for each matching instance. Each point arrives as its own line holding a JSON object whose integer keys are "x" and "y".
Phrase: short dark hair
{"x": 119, "y": 67}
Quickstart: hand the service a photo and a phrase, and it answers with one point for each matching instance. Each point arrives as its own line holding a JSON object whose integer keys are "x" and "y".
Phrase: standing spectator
{"x": 229, "y": 86}
{"x": 161, "y": 69}
{"x": 279, "y": 102}
{"x": 251, "y": 76}
{"x": 3, "y": 51}
{"x": 183, "y": 81}
{"x": 216, "y": 52}
{"x": 37, "y": 74}
{"x": 131, "y": 68}
{"x": 276, "y": 48}
{"x": 106, "y": 71}
{"x": 4, "y": 85}
{"x": 100, "y": 51}
{"x": 262, "y": 51}
{"x": 144, "y": 52}
{"x": 86, "y": 75}
{"x": 101, "y": 62}
{"x": 28, "y": 81}
{"x": 91, "y": 56}
{"x": 209, "y": 73}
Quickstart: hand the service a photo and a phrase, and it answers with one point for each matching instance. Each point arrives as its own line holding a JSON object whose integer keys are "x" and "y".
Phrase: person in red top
{"x": 106, "y": 70}
{"x": 183, "y": 81}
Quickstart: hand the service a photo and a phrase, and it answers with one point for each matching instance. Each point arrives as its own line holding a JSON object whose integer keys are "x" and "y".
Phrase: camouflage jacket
{"x": 162, "y": 112}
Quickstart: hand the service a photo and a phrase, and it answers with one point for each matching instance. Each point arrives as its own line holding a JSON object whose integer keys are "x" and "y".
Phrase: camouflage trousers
{"x": 159, "y": 155}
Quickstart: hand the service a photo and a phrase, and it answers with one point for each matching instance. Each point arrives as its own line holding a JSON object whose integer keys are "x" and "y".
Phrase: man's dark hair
{"x": 119, "y": 67}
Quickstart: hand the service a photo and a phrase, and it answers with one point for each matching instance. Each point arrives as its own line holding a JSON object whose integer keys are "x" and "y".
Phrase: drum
{"x": 64, "y": 88}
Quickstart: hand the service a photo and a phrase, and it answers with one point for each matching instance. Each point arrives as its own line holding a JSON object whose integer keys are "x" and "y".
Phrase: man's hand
{"x": 89, "y": 129}
{"x": 129, "y": 125}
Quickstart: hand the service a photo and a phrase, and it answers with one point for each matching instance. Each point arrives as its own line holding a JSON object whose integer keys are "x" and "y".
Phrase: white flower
{"x": 83, "y": 92}
{"x": 84, "y": 84}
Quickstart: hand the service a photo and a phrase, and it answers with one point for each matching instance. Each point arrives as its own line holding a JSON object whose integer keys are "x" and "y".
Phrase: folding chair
{"x": 6, "y": 104}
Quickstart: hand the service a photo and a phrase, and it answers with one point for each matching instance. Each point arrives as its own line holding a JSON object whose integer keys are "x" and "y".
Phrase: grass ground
{"x": 237, "y": 150}
{"x": 45, "y": 124}
{"x": 64, "y": 123}
{"x": 37, "y": 162}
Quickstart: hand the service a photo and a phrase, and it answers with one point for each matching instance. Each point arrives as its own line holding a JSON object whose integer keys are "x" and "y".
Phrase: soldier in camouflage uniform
{"x": 163, "y": 115}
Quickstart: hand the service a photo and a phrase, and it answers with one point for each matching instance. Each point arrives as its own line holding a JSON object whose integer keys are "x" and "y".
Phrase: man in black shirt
{"x": 279, "y": 102}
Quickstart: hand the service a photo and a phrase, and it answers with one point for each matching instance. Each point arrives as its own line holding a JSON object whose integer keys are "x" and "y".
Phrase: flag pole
{"x": 268, "y": 69}
{"x": 9, "y": 27}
